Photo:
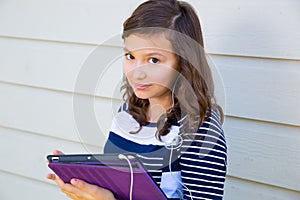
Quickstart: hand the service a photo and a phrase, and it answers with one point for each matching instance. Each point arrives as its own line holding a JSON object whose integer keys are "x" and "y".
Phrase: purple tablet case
{"x": 113, "y": 174}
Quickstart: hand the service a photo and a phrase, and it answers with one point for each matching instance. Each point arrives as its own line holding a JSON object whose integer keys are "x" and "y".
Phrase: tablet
{"x": 110, "y": 171}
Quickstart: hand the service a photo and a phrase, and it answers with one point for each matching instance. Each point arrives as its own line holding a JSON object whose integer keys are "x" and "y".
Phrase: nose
{"x": 139, "y": 73}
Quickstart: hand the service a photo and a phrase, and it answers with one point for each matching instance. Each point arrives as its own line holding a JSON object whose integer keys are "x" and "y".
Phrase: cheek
{"x": 164, "y": 76}
{"x": 126, "y": 69}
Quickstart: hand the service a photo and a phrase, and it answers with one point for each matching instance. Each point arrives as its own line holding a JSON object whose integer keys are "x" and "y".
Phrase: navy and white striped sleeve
{"x": 203, "y": 162}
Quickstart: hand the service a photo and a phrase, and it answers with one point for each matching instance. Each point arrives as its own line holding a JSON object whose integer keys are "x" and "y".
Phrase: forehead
{"x": 156, "y": 41}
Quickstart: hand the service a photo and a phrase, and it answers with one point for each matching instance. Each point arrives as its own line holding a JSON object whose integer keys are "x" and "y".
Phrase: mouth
{"x": 141, "y": 86}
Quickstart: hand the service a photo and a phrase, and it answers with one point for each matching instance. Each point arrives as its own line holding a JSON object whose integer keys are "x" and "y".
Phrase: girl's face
{"x": 150, "y": 66}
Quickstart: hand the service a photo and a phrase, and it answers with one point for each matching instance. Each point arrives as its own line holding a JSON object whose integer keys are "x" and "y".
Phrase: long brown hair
{"x": 194, "y": 89}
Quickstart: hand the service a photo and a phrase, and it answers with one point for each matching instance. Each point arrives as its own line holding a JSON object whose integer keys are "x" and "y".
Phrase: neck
{"x": 157, "y": 108}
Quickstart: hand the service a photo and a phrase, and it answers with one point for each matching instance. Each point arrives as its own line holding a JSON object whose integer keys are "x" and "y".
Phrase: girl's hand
{"x": 80, "y": 190}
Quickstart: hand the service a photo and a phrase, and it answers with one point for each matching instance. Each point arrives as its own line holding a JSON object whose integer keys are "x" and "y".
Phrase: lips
{"x": 142, "y": 86}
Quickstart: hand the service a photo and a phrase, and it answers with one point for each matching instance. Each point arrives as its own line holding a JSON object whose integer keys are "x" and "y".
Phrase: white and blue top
{"x": 193, "y": 169}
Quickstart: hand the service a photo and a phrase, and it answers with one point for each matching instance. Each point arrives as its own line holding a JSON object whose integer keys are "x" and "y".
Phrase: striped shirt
{"x": 193, "y": 168}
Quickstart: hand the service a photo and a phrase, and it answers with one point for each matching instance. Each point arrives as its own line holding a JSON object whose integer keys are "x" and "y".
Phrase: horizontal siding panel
{"x": 264, "y": 152}
{"x": 37, "y": 146}
{"x": 14, "y": 187}
{"x": 73, "y": 21}
{"x": 262, "y": 89}
{"x": 264, "y": 28}
{"x": 34, "y": 166}
{"x": 48, "y": 51}
{"x": 51, "y": 113}
{"x": 249, "y": 83}
{"x": 231, "y": 27}
{"x": 236, "y": 189}
{"x": 29, "y": 159}
{"x": 42, "y": 64}
{"x": 59, "y": 65}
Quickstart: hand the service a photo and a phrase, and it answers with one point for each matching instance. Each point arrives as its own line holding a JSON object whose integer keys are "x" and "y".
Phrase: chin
{"x": 142, "y": 95}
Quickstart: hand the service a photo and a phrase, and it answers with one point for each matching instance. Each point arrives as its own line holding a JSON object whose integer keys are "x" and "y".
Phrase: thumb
{"x": 93, "y": 191}
{"x": 80, "y": 184}
{"x": 84, "y": 186}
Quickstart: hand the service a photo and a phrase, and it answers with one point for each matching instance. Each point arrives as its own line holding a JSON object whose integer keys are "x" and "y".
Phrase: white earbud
{"x": 175, "y": 143}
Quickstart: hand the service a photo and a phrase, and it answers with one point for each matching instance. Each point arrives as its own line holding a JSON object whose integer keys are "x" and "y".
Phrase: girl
{"x": 169, "y": 118}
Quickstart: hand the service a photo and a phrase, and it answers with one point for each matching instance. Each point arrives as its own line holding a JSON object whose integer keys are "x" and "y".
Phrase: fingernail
{"x": 74, "y": 181}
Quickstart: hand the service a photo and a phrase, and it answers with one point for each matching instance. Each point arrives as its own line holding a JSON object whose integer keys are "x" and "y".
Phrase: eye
{"x": 128, "y": 56}
{"x": 153, "y": 60}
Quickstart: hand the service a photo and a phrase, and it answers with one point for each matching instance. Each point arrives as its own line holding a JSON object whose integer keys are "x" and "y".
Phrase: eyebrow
{"x": 148, "y": 54}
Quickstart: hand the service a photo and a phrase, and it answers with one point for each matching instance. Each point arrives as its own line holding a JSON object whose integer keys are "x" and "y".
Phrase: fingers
{"x": 57, "y": 152}
{"x": 84, "y": 186}
{"x": 56, "y": 179}
{"x": 79, "y": 189}
{"x": 51, "y": 177}
{"x": 90, "y": 190}
{"x": 74, "y": 192}
{"x": 66, "y": 188}
{"x": 71, "y": 196}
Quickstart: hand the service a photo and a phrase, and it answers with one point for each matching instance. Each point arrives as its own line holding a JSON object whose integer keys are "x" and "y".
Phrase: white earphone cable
{"x": 123, "y": 157}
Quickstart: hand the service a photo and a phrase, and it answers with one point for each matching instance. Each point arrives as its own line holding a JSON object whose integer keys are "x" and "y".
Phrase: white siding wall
{"x": 44, "y": 45}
